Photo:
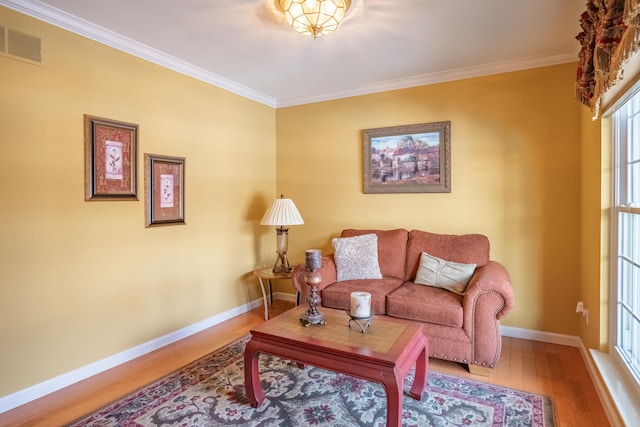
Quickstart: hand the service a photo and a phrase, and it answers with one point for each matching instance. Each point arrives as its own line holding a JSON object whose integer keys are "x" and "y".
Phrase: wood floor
{"x": 554, "y": 370}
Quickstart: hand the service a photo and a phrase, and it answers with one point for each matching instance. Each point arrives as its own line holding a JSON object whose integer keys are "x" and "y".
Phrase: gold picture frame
{"x": 408, "y": 159}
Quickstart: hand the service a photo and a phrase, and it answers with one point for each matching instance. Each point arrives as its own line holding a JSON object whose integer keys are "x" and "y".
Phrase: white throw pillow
{"x": 452, "y": 276}
{"x": 357, "y": 257}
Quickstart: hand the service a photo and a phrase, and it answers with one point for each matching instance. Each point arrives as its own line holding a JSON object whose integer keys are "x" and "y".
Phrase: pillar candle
{"x": 313, "y": 259}
{"x": 360, "y": 304}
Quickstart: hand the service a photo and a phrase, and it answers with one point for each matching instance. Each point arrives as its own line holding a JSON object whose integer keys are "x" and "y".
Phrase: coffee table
{"x": 383, "y": 354}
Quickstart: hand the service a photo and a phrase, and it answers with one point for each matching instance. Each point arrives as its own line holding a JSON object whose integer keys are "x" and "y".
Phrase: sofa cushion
{"x": 338, "y": 294}
{"x": 357, "y": 257}
{"x": 392, "y": 249}
{"x": 426, "y": 304}
{"x": 465, "y": 248}
{"x": 449, "y": 275}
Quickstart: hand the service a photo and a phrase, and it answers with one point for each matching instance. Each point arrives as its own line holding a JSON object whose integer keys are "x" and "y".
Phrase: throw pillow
{"x": 452, "y": 276}
{"x": 357, "y": 257}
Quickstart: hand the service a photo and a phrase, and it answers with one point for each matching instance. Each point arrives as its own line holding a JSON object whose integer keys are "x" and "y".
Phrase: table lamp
{"x": 283, "y": 212}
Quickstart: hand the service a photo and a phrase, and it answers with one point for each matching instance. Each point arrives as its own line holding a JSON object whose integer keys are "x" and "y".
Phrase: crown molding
{"x": 102, "y": 35}
{"x": 441, "y": 77}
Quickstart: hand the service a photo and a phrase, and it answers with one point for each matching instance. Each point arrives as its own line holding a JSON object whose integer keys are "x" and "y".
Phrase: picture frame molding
{"x": 443, "y": 184}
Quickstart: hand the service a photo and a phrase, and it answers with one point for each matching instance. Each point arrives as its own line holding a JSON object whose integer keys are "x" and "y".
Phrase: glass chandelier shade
{"x": 314, "y": 17}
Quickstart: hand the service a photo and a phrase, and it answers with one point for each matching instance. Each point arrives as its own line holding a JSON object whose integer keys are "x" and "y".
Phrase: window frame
{"x": 620, "y": 204}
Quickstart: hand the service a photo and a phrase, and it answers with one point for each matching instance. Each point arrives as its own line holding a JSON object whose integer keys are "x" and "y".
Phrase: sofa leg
{"x": 479, "y": 370}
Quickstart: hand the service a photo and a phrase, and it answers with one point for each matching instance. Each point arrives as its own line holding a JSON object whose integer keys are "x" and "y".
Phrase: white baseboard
{"x": 285, "y": 296}
{"x": 572, "y": 341}
{"x": 550, "y": 337}
{"x": 620, "y": 393}
{"x": 54, "y": 384}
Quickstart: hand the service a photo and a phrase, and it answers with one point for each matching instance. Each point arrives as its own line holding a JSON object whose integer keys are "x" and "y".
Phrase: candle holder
{"x": 313, "y": 262}
{"x": 362, "y": 322}
{"x": 360, "y": 312}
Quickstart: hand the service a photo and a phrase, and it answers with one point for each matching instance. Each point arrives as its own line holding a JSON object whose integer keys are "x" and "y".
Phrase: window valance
{"x": 610, "y": 36}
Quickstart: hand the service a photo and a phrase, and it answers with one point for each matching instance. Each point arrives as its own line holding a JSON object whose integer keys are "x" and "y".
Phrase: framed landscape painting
{"x": 111, "y": 159}
{"x": 408, "y": 159}
{"x": 164, "y": 188}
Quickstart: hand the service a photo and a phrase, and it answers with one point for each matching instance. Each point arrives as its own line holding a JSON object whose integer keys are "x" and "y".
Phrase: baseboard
{"x": 610, "y": 408}
{"x": 54, "y": 384}
{"x": 619, "y": 391}
{"x": 285, "y": 296}
{"x": 36, "y": 391}
{"x": 550, "y": 337}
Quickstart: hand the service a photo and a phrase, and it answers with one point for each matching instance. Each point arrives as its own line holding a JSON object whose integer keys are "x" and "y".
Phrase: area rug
{"x": 211, "y": 392}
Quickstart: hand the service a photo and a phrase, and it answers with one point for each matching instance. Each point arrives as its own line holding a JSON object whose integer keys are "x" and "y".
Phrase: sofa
{"x": 460, "y": 315}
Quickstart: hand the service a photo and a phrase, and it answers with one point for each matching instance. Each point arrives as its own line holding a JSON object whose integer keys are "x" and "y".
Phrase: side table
{"x": 268, "y": 275}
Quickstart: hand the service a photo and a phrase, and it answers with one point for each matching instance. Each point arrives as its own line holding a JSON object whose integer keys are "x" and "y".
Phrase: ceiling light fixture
{"x": 314, "y": 17}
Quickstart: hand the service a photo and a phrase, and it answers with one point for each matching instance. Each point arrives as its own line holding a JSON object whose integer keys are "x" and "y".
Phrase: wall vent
{"x": 24, "y": 45}
{"x": 18, "y": 45}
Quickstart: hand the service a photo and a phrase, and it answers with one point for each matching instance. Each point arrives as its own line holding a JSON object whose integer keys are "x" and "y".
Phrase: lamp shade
{"x": 282, "y": 212}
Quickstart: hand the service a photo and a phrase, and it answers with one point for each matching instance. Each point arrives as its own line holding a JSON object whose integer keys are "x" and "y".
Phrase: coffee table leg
{"x": 252, "y": 386}
{"x": 393, "y": 388}
{"x": 420, "y": 378}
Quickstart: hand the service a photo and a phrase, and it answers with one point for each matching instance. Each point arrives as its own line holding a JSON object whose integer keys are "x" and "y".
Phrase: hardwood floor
{"x": 554, "y": 370}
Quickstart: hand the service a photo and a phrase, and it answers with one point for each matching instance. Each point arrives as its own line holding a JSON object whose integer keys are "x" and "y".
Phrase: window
{"x": 625, "y": 337}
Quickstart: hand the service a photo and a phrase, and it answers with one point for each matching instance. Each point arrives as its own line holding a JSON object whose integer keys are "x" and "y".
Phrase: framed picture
{"x": 164, "y": 190}
{"x": 110, "y": 159}
{"x": 408, "y": 159}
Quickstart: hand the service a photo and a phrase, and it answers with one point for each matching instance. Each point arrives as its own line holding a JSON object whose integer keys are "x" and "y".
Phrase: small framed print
{"x": 111, "y": 159}
{"x": 164, "y": 190}
{"x": 408, "y": 159}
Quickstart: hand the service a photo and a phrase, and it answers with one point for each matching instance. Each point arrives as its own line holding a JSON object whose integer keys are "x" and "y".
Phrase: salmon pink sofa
{"x": 446, "y": 282}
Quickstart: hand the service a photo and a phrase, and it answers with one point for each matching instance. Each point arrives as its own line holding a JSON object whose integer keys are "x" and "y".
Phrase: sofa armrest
{"x": 328, "y": 275}
{"x": 491, "y": 277}
{"x": 489, "y": 297}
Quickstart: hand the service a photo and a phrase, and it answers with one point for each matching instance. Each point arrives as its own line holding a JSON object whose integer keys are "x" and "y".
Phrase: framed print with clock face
{"x": 111, "y": 159}
{"x": 164, "y": 190}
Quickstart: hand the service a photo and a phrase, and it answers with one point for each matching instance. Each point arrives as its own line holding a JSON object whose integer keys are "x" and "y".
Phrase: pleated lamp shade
{"x": 282, "y": 212}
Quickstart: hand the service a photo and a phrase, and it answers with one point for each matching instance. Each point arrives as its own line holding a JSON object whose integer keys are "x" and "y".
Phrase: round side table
{"x": 268, "y": 275}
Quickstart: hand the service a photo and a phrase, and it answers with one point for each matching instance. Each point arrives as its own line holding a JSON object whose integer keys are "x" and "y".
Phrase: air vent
{"x": 24, "y": 46}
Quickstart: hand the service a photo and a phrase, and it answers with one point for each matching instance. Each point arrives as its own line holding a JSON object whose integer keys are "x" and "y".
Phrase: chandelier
{"x": 314, "y": 17}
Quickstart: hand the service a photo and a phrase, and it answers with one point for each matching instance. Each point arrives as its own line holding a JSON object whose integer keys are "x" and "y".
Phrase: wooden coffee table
{"x": 383, "y": 354}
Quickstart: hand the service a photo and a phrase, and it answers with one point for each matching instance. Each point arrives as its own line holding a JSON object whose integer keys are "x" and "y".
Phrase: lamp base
{"x": 282, "y": 263}
{"x": 282, "y": 269}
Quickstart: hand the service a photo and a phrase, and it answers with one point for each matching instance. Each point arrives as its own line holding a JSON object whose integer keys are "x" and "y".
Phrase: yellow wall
{"x": 594, "y": 258}
{"x": 81, "y": 281}
{"x": 516, "y": 177}
{"x": 84, "y": 280}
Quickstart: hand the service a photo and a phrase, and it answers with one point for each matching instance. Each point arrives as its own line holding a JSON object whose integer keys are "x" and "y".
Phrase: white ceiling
{"x": 247, "y": 47}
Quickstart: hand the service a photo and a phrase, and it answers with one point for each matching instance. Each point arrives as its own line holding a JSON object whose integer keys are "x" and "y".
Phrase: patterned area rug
{"x": 210, "y": 392}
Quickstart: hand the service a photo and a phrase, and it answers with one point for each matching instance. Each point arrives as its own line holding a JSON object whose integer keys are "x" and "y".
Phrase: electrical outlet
{"x": 582, "y": 309}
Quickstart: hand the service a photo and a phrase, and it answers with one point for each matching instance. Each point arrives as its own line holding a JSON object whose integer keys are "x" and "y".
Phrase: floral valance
{"x": 610, "y": 36}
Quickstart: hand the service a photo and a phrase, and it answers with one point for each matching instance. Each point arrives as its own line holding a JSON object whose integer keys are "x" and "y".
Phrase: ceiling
{"x": 246, "y": 46}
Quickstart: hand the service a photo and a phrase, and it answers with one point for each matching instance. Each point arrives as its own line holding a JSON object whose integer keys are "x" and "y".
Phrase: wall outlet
{"x": 582, "y": 309}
